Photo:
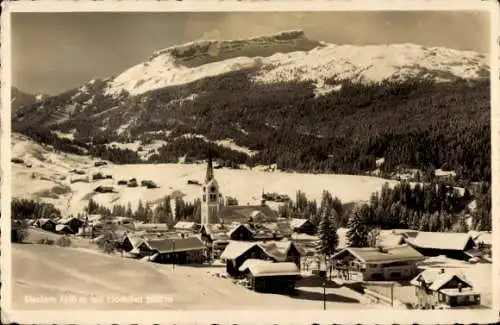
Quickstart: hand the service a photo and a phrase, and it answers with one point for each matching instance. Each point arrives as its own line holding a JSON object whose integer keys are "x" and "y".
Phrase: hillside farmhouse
{"x": 177, "y": 250}
{"x": 452, "y": 245}
{"x": 434, "y": 287}
{"x": 73, "y": 223}
{"x": 237, "y": 252}
{"x": 302, "y": 226}
{"x": 46, "y": 224}
{"x": 64, "y": 229}
{"x": 266, "y": 276}
{"x": 364, "y": 264}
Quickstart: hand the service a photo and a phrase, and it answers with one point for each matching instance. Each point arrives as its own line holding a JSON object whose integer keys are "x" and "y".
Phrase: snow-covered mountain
{"x": 20, "y": 99}
{"x": 281, "y": 98}
{"x": 292, "y": 56}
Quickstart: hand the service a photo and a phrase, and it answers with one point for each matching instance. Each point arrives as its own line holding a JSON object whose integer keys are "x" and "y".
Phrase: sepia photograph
{"x": 249, "y": 160}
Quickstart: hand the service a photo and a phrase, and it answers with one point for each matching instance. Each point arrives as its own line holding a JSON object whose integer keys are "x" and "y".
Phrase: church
{"x": 214, "y": 211}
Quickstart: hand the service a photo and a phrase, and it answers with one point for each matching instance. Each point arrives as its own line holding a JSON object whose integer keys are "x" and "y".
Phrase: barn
{"x": 267, "y": 276}
{"x": 452, "y": 245}
{"x": 237, "y": 252}
{"x": 177, "y": 250}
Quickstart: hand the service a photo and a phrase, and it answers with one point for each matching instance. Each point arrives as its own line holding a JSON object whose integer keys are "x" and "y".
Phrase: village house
{"x": 64, "y": 229}
{"x": 46, "y": 224}
{"x": 302, "y": 226}
{"x": 151, "y": 227}
{"x": 367, "y": 263}
{"x": 248, "y": 213}
{"x": 237, "y": 252}
{"x": 73, "y": 223}
{"x": 177, "y": 250}
{"x": 436, "y": 287}
{"x": 186, "y": 226}
{"x": 134, "y": 244}
{"x": 283, "y": 251}
{"x": 268, "y": 276}
{"x": 482, "y": 239}
{"x": 452, "y": 245}
{"x": 241, "y": 232}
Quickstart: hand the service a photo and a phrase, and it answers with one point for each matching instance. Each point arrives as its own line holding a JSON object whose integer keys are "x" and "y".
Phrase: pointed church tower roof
{"x": 210, "y": 168}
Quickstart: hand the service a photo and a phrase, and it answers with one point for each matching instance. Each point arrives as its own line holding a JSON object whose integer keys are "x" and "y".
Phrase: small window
{"x": 472, "y": 299}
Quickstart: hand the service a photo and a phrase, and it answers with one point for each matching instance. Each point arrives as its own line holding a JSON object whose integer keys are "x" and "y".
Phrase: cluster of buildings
{"x": 256, "y": 245}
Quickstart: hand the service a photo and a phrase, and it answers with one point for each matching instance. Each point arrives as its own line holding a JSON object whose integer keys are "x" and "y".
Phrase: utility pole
{"x": 324, "y": 295}
{"x": 173, "y": 255}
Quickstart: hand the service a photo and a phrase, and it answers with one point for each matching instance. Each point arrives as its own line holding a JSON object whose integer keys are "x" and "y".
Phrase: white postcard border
{"x": 247, "y": 316}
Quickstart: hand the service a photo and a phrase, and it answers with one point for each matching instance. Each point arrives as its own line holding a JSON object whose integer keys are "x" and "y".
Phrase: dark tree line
{"x": 29, "y": 209}
{"x": 163, "y": 212}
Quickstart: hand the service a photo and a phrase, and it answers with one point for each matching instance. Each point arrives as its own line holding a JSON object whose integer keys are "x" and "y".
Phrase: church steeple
{"x": 210, "y": 168}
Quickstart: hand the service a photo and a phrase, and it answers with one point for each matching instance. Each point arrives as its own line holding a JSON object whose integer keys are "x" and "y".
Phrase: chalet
{"x": 237, "y": 252}
{"x": 95, "y": 219}
{"x": 246, "y": 213}
{"x": 241, "y": 232}
{"x": 186, "y": 226}
{"x": 302, "y": 226}
{"x": 104, "y": 189}
{"x": 123, "y": 221}
{"x": 73, "y": 223}
{"x": 133, "y": 244}
{"x": 434, "y": 288}
{"x": 452, "y": 245}
{"x": 46, "y": 224}
{"x": 177, "y": 250}
{"x": 266, "y": 276}
{"x": 283, "y": 251}
{"x": 151, "y": 227}
{"x": 367, "y": 263}
{"x": 482, "y": 239}
{"x": 64, "y": 229}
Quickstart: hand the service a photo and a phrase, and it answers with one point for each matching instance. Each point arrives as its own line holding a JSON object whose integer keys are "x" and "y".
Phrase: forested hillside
{"x": 417, "y": 122}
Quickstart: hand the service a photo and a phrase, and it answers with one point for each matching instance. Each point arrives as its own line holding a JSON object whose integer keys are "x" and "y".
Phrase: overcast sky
{"x": 54, "y": 52}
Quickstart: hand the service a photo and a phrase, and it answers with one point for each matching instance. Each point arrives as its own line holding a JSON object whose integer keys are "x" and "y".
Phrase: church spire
{"x": 210, "y": 168}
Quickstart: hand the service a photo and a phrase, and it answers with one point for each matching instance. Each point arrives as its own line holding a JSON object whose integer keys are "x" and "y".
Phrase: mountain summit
{"x": 291, "y": 55}
{"x": 281, "y": 98}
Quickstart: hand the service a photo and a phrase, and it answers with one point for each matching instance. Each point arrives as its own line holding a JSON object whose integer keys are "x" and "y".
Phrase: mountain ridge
{"x": 304, "y": 110}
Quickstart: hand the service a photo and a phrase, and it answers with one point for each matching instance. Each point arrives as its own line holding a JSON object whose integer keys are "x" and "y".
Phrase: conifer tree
{"x": 357, "y": 234}
{"x": 328, "y": 237}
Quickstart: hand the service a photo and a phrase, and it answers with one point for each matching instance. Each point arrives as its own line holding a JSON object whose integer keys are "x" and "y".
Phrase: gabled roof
{"x": 65, "y": 221}
{"x": 259, "y": 268}
{"x": 440, "y": 240}
{"x": 168, "y": 245}
{"x": 387, "y": 255}
{"x": 43, "y": 221}
{"x": 237, "y": 226}
{"x": 237, "y": 248}
{"x": 243, "y": 213}
{"x": 185, "y": 225}
{"x": 62, "y": 227}
{"x": 435, "y": 279}
{"x": 297, "y": 223}
{"x": 279, "y": 249}
{"x": 152, "y": 226}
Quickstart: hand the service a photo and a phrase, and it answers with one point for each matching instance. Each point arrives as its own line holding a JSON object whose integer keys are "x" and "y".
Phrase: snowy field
{"x": 125, "y": 284}
{"x": 49, "y": 170}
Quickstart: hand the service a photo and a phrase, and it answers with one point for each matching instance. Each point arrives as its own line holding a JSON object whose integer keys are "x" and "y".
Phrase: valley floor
{"x": 53, "y": 272}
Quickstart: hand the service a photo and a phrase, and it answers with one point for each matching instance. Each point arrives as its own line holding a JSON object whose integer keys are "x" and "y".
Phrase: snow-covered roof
{"x": 167, "y": 245}
{"x": 435, "y": 279}
{"x": 185, "y": 225}
{"x": 387, "y": 255}
{"x": 440, "y": 240}
{"x": 259, "y": 268}
{"x": 297, "y": 223}
{"x": 236, "y": 248}
{"x": 61, "y": 227}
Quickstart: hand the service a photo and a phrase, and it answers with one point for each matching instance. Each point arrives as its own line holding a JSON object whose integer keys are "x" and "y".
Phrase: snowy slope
{"x": 291, "y": 56}
{"x": 51, "y": 169}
